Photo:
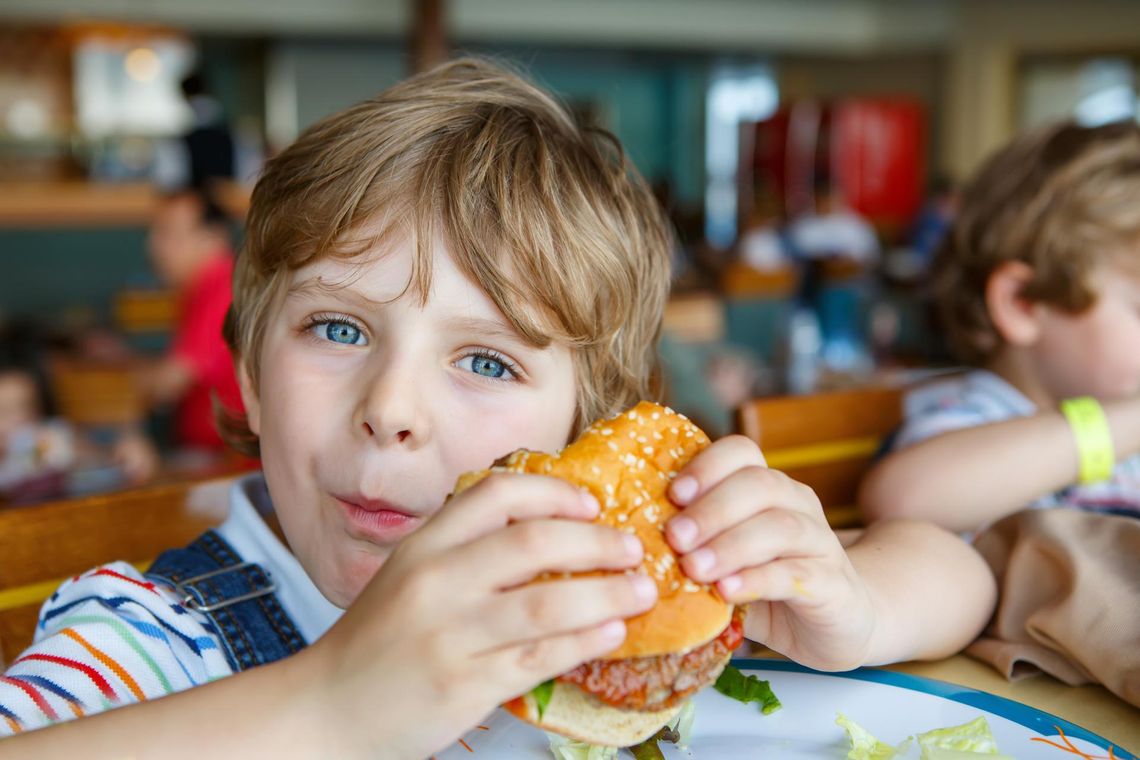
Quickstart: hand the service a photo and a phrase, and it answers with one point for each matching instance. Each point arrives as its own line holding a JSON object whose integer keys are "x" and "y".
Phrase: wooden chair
{"x": 96, "y": 394}
{"x": 825, "y": 440}
{"x": 42, "y": 545}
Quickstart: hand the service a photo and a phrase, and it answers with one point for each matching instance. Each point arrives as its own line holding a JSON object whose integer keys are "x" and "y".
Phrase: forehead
{"x": 390, "y": 273}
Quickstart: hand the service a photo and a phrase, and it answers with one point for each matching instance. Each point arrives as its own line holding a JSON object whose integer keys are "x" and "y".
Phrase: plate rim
{"x": 1044, "y": 723}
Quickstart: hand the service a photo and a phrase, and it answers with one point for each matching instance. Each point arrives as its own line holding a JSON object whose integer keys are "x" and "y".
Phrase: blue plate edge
{"x": 1032, "y": 718}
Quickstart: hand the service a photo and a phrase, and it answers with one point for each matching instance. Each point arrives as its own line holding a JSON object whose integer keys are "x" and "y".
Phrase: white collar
{"x": 997, "y": 387}
{"x": 251, "y": 538}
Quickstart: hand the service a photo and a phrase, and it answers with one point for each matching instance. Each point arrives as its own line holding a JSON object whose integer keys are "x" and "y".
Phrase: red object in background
{"x": 877, "y": 154}
{"x": 872, "y": 149}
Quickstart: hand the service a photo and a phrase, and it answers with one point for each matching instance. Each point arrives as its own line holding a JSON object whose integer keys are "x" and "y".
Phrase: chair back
{"x": 42, "y": 545}
{"x": 825, "y": 440}
{"x": 96, "y": 394}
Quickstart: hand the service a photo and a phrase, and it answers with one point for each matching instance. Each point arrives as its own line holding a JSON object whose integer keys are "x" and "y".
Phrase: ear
{"x": 249, "y": 397}
{"x": 1016, "y": 318}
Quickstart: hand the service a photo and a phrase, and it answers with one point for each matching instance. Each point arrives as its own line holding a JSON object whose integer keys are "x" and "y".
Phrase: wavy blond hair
{"x": 548, "y": 217}
{"x": 1065, "y": 200}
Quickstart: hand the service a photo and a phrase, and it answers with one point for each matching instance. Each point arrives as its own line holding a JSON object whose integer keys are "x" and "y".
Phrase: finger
{"x": 503, "y": 497}
{"x": 714, "y": 464}
{"x": 553, "y": 608}
{"x": 523, "y": 666}
{"x": 766, "y": 537}
{"x": 523, "y": 550}
{"x": 746, "y": 492}
{"x": 797, "y": 580}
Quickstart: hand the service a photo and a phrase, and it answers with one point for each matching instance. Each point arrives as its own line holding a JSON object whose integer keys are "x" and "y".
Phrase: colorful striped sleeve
{"x": 107, "y": 638}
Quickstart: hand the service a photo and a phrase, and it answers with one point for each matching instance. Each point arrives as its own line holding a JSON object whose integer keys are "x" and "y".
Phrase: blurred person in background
{"x": 191, "y": 251}
{"x": 834, "y": 231}
{"x": 206, "y": 152}
{"x": 42, "y": 456}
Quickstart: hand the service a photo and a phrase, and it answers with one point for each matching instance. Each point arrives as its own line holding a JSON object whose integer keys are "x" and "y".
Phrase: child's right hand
{"x": 446, "y": 631}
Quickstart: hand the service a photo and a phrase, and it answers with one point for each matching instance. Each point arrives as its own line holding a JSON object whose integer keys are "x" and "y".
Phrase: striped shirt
{"x": 111, "y": 637}
{"x": 979, "y": 398}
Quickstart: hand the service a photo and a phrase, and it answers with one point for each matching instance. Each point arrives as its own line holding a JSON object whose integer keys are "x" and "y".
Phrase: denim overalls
{"x": 237, "y": 596}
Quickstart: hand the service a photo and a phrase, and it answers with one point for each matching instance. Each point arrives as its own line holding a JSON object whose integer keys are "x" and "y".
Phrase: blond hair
{"x": 1065, "y": 200}
{"x": 546, "y": 216}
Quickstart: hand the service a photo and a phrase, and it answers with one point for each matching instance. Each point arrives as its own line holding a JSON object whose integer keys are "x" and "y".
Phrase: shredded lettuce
{"x": 564, "y": 748}
{"x": 732, "y": 683}
{"x": 964, "y": 742}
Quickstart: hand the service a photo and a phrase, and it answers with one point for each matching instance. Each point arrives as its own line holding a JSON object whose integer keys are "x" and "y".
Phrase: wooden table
{"x": 1091, "y": 707}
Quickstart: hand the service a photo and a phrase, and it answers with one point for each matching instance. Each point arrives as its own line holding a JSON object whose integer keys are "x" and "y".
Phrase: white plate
{"x": 890, "y": 705}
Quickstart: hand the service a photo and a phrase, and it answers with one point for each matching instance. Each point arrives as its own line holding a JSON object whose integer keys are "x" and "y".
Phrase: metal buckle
{"x": 191, "y": 602}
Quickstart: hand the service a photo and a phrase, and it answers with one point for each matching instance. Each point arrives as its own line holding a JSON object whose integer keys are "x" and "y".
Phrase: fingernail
{"x": 645, "y": 588}
{"x": 613, "y": 631}
{"x": 730, "y": 585}
{"x": 701, "y": 561}
{"x": 633, "y": 546}
{"x": 591, "y": 504}
{"x": 684, "y": 489}
{"x": 684, "y": 532}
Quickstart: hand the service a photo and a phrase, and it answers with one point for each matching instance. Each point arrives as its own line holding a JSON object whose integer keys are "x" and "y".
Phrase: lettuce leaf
{"x": 732, "y": 683}
{"x": 542, "y": 694}
{"x": 864, "y": 746}
{"x": 683, "y": 723}
{"x": 564, "y": 748}
{"x": 973, "y": 738}
{"x": 966, "y": 742}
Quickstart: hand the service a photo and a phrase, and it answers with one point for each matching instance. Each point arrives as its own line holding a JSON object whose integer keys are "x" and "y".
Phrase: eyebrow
{"x": 492, "y": 328}
{"x": 313, "y": 288}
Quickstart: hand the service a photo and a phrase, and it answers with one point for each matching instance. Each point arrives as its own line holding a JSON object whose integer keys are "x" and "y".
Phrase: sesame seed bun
{"x": 627, "y": 463}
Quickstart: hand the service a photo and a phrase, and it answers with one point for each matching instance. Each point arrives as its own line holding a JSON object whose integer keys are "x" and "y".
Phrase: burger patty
{"x": 661, "y": 681}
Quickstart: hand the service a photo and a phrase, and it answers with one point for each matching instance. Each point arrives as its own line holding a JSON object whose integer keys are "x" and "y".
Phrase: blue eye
{"x": 490, "y": 366}
{"x": 340, "y": 332}
{"x": 487, "y": 366}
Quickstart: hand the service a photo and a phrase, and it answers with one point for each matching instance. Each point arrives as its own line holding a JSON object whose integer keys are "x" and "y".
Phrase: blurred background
{"x": 808, "y": 153}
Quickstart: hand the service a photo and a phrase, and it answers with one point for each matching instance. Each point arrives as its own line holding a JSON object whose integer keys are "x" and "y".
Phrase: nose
{"x": 391, "y": 410}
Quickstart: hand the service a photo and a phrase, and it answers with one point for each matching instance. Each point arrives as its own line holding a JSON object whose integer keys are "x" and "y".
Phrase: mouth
{"x": 377, "y": 520}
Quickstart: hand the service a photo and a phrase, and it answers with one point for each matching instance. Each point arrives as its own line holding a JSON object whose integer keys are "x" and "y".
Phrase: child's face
{"x": 19, "y": 405}
{"x": 369, "y": 405}
{"x": 1096, "y": 352}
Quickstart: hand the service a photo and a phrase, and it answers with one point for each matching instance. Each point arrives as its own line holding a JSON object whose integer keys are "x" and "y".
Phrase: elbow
{"x": 883, "y": 496}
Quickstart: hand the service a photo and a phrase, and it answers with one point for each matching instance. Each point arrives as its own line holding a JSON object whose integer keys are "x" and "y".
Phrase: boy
{"x": 431, "y": 279}
{"x": 1039, "y": 287}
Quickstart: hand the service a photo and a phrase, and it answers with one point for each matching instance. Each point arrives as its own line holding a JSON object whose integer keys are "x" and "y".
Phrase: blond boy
{"x": 431, "y": 279}
{"x": 1039, "y": 288}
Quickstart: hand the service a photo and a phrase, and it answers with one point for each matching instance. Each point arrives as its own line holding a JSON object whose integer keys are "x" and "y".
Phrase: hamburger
{"x": 680, "y": 645}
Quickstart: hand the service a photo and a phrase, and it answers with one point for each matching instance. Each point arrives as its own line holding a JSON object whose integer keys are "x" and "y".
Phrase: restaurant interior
{"x": 810, "y": 157}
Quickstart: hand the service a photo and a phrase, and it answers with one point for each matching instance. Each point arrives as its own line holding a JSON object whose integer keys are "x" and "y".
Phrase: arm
{"x": 932, "y": 592}
{"x": 165, "y": 380}
{"x": 215, "y": 720}
{"x": 969, "y": 477}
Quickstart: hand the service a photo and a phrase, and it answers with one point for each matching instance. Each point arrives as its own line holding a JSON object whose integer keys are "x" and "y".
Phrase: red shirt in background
{"x": 198, "y": 343}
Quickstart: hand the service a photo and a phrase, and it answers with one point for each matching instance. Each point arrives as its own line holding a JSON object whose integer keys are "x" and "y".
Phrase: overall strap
{"x": 237, "y": 596}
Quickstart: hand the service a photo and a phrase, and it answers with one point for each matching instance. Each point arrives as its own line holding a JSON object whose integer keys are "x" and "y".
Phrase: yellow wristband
{"x": 1094, "y": 439}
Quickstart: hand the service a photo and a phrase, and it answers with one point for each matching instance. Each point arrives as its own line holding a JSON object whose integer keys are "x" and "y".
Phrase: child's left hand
{"x": 763, "y": 539}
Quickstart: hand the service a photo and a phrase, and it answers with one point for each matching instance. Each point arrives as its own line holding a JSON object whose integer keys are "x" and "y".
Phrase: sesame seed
{"x": 648, "y": 450}
{"x": 622, "y": 517}
{"x": 612, "y": 445}
{"x": 607, "y": 431}
{"x": 656, "y": 415}
{"x": 595, "y": 469}
{"x": 632, "y": 415}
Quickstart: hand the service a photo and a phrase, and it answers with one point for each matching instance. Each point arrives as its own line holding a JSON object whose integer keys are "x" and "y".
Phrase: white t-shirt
{"x": 979, "y": 398}
{"x": 111, "y": 637}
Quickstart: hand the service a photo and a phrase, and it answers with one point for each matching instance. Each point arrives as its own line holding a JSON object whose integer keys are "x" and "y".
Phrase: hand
{"x": 763, "y": 539}
{"x": 445, "y": 631}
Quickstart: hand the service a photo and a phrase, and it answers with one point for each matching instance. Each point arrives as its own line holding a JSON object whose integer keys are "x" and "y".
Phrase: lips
{"x": 377, "y": 520}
